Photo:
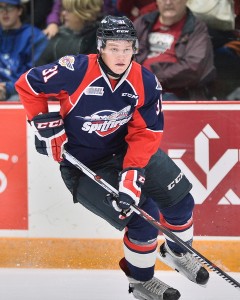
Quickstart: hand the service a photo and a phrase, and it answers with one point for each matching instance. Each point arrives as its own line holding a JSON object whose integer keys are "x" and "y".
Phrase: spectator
{"x": 44, "y": 14}
{"x": 53, "y": 19}
{"x": 227, "y": 62}
{"x": 20, "y": 46}
{"x": 78, "y": 34}
{"x": 175, "y": 45}
{"x": 135, "y": 8}
{"x": 226, "y": 45}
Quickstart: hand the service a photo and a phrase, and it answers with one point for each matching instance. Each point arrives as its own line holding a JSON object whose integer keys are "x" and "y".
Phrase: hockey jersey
{"x": 99, "y": 120}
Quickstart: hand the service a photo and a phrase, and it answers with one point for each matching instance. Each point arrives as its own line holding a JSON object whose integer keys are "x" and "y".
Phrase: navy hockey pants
{"x": 165, "y": 184}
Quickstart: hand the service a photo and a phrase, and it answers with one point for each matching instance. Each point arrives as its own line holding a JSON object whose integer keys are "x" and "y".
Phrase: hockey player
{"x": 111, "y": 120}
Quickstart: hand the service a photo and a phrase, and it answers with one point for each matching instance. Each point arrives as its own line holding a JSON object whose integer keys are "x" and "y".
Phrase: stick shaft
{"x": 151, "y": 220}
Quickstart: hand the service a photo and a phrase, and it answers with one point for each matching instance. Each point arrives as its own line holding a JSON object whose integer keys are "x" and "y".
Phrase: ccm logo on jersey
{"x": 130, "y": 95}
{"x": 51, "y": 124}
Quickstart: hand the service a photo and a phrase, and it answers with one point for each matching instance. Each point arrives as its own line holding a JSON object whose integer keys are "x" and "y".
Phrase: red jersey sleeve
{"x": 146, "y": 126}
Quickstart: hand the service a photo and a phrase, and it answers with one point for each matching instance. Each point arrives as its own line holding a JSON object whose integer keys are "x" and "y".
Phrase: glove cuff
{"x": 141, "y": 171}
{"x": 139, "y": 175}
{"x": 49, "y": 115}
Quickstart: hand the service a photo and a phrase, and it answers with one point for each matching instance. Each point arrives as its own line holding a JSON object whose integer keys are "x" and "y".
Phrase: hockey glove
{"x": 130, "y": 183}
{"x": 50, "y": 135}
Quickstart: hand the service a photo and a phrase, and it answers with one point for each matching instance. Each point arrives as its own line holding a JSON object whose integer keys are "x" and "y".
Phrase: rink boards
{"x": 41, "y": 227}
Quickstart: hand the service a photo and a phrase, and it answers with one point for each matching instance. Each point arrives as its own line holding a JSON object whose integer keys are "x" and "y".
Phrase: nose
{"x": 121, "y": 53}
{"x": 168, "y": 2}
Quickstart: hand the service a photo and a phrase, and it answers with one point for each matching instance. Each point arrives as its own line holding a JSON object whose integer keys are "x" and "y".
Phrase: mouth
{"x": 169, "y": 10}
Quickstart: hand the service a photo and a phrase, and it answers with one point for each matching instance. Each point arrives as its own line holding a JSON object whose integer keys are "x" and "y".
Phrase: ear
{"x": 20, "y": 11}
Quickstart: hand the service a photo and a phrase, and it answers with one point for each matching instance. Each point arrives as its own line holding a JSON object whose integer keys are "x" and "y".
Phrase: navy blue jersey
{"x": 100, "y": 120}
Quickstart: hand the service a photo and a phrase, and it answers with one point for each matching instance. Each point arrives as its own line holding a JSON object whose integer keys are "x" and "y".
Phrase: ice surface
{"x": 54, "y": 284}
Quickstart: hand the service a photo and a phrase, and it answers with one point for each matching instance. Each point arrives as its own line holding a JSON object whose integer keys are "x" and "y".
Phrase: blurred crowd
{"x": 193, "y": 58}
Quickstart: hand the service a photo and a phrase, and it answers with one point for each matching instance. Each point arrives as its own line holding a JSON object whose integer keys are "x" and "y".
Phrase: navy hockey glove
{"x": 50, "y": 135}
{"x": 130, "y": 183}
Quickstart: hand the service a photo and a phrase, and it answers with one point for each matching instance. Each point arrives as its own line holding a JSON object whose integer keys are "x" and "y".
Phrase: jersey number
{"x": 48, "y": 73}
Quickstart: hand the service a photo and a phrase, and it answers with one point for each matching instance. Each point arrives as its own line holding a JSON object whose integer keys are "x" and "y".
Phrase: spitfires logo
{"x": 106, "y": 122}
{"x": 68, "y": 62}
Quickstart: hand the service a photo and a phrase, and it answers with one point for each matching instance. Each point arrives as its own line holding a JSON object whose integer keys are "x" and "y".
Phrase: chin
{"x": 120, "y": 71}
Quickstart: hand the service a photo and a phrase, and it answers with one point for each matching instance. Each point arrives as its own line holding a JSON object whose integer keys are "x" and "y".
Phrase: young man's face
{"x": 9, "y": 16}
{"x": 117, "y": 55}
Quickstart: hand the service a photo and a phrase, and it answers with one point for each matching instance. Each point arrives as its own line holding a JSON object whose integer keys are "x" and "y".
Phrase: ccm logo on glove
{"x": 50, "y": 124}
{"x": 50, "y": 135}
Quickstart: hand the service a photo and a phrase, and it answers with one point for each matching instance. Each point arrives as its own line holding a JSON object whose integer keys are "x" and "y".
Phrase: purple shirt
{"x": 54, "y": 16}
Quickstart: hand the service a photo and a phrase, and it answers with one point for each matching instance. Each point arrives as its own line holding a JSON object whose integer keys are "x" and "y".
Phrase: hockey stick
{"x": 151, "y": 220}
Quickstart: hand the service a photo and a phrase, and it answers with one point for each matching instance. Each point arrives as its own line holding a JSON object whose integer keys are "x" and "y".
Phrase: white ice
{"x": 54, "y": 284}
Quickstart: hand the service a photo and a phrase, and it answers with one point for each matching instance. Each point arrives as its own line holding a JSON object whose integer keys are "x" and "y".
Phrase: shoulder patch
{"x": 67, "y": 62}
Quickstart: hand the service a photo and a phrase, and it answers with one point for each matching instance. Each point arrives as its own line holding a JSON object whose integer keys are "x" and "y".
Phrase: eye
{"x": 128, "y": 51}
{"x": 115, "y": 50}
